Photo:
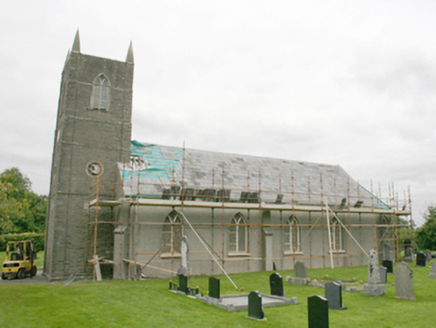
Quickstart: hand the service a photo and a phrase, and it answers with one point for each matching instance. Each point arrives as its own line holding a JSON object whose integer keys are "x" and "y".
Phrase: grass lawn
{"x": 148, "y": 303}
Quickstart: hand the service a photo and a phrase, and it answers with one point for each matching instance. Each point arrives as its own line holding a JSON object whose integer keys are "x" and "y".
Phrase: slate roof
{"x": 163, "y": 172}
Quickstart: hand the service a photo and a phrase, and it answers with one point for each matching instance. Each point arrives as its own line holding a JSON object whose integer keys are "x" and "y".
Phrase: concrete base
{"x": 405, "y": 298}
{"x": 240, "y": 302}
{"x": 432, "y": 275}
{"x": 297, "y": 281}
{"x": 184, "y": 271}
{"x": 264, "y": 319}
{"x": 374, "y": 289}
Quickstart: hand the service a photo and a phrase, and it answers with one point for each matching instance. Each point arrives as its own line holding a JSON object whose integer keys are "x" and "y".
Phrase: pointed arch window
{"x": 292, "y": 236}
{"x": 100, "y": 93}
{"x": 172, "y": 233}
{"x": 238, "y": 235}
{"x": 336, "y": 236}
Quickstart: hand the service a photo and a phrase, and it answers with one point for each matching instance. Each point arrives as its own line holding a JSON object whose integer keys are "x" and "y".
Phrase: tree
{"x": 19, "y": 185}
{"x": 425, "y": 236}
{"x": 10, "y": 209}
{"x": 21, "y": 210}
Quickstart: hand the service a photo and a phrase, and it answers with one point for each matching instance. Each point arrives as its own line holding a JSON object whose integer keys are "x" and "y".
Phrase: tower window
{"x": 100, "y": 93}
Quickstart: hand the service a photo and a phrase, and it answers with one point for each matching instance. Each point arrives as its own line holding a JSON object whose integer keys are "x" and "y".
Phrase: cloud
{"x": 338, "y": 82}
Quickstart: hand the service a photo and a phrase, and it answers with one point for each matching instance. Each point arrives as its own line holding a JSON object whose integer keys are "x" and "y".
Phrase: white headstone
{"x": 373, "y": 268}
{"x": 184, "y": 252}
{"x": 374, "y": 287}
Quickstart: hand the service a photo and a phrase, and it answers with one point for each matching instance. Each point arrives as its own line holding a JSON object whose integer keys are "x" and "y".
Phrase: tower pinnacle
{"x": 129, "y": 58}
{"x": 76, "y": 43}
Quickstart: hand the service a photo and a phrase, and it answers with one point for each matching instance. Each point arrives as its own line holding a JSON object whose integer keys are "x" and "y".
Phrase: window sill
{"x": 104, "y": 110}
{"x": 292, "y": 253}
{"x": 239, "y": 254}
{"x": 170, "y": 255}
{"x": 340, "y": 251}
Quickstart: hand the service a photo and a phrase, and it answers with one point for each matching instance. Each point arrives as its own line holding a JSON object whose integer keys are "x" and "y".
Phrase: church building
{"x": 119, "y": 208}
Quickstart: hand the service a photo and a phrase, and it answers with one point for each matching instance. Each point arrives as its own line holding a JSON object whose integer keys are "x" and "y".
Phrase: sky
{"x": 349, "y": 83}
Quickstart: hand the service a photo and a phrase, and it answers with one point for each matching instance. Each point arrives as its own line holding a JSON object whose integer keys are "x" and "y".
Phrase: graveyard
{"x": 150, "y": 302}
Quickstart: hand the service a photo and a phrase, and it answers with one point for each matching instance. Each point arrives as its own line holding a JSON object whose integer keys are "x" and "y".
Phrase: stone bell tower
{"x": 93, "y": 133}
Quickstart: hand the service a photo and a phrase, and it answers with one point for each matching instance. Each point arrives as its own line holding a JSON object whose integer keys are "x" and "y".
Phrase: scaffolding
{"x": 183, "y": 196}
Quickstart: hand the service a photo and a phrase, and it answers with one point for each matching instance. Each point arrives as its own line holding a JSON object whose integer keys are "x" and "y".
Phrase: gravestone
{"x": 184, "y": 263}
{"x": 300, "y": 270}
{"x": 373, "y": 268}
{"x": 420, "y": 260}
{"x": 389, "y": 265}
{"x": 276, "y": 284}
{"x": 300, "y": 274}
{"x": 383, "y": 274}
{"x": 432, "y": 274}
{"x": 214, "y": 287}
{"x": 404, "y": 282}
{"x": 318, "y": 312}
{"x": 333, "y": 293}
{"x": 428, "y": 257}
{"x": 408, "y": 253}
{"x": 183, "y": 283}
{"x": 374, "y": 287}
{"x": 255, "y": 310}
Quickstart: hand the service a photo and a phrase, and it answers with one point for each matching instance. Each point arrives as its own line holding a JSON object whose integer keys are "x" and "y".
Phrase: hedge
{"x": 38, "y": 239}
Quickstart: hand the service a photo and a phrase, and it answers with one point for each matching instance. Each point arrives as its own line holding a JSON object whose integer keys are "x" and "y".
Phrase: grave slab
{"x": 240, "y": 302}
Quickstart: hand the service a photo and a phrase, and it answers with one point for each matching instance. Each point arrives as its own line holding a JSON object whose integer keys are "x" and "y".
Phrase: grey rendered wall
{"x": 148, "y": 239}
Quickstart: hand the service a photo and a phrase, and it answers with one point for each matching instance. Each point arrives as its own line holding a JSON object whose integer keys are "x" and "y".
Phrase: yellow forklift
{"x": 20, "y": 260}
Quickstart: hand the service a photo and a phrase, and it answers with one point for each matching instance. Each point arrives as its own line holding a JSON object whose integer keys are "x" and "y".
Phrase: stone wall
{"x": 84, "y": 136}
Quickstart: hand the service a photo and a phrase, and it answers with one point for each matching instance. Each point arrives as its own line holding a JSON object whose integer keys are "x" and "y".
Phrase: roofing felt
{"x": 157, "y": 171}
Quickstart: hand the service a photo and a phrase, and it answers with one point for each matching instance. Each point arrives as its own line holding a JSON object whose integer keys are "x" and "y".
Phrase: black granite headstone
{"x": 183, "y": 283}
{"x": 333, "y": 293}
{"x": 389, "y": 265}
{"x": 318, "y": 312}
{"x": 255, "y": 310}
{"x": 420, "y": 260}
{"x": 276, "y": 284}
{"x": 214, "y": 287}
